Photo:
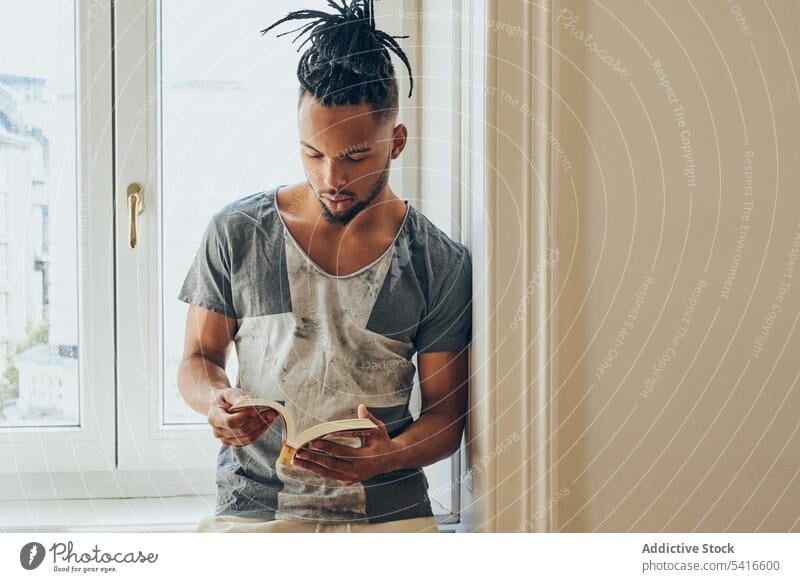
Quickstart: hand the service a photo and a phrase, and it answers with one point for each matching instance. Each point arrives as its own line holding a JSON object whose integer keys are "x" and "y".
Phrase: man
{"x": 328, "y": 288}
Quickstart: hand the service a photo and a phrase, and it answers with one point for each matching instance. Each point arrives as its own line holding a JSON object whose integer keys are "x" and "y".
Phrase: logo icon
{"x": 31, "y": 555}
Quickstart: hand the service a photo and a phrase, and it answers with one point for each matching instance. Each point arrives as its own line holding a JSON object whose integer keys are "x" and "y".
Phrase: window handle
{"x": 135, "y": 208}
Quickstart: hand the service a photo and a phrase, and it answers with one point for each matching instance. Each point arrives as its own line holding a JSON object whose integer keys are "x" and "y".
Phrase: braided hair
{"x": 349, "y": 61}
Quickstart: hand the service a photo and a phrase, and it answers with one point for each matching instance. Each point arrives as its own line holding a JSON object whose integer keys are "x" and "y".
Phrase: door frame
{"x": 508, "y": 483}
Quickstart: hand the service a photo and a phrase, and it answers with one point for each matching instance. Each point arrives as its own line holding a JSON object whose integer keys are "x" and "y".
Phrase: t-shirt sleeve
{"x": 447, "y": 325}
{"x": 208, "y": 282}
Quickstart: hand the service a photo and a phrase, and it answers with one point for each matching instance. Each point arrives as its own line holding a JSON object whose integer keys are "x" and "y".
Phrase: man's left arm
{"x": 435, "y": 435}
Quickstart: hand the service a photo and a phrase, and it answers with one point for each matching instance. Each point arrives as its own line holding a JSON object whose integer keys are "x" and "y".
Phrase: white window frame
{"x": 138, "y": 457}
{"x": 3, "y": 210}
{"x": 36, "y": 461}
{"x": 154, "y": 446}
{"x": 40, "y": 463}
{"x": 145, "y": 445}
{"x": 509, "y": 167}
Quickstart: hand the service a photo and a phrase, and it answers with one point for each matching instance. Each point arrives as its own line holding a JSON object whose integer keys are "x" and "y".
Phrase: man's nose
{"x": 334, "y": 176}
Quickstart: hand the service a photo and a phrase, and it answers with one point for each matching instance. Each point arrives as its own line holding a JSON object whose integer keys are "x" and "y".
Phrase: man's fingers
{"x": 239, "y": 419}
{"x": 232, "y": 422}
{"x": 241, "y": 431}
{"x": 246, "y": 429}
{"x": 324, "y": 460}
{"x": 250, "y": 437}
{"x": 245, "y": 439}
{"x": 336, "y": 449}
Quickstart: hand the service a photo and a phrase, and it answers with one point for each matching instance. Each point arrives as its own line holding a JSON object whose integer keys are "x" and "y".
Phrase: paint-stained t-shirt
{"x": 321, "y": 344}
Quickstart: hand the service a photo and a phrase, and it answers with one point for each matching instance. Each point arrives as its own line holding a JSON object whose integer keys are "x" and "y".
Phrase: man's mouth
{"x": 339, "y": 202}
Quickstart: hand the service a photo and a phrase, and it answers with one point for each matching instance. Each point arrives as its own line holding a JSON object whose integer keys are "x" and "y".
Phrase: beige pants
{"x": 231, "y": 524}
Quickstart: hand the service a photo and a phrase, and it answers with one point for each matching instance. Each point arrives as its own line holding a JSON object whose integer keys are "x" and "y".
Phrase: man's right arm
{"x": 204, "y": 385}
{"x": 206, "y": 347}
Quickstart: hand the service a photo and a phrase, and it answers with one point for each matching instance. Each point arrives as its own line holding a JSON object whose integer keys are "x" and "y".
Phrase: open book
{"x": 348, "y": 432}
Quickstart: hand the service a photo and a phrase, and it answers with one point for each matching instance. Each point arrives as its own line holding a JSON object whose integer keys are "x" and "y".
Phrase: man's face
{"x": 346, "y": 156}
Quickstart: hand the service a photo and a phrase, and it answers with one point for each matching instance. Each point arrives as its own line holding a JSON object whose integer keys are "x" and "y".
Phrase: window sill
{"x": 126, "y": 515}
{"x": 134, "y": 515}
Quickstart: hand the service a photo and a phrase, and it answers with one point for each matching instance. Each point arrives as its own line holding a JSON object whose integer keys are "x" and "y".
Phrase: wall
{"x": 677, "y": 218}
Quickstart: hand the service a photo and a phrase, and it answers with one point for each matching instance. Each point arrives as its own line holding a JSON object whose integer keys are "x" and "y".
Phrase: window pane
{"x": 228, "y": 129}
{"x": 228, "y": 98}
{"x": 3, "y": 206}
{"x": 38, "y": 281}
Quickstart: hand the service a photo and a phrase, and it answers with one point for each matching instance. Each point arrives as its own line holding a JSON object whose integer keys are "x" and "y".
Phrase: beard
{"x": 376, "y": 189}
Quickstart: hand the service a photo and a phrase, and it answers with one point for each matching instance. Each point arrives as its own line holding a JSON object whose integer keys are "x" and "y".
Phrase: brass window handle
{"x": 135, "y": 208}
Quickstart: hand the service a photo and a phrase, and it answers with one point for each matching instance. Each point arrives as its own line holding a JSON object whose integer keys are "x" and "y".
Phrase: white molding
{"x": 510, "y": 175}
{"x": 544, "y": 216}
{"x": 544, "y": 19}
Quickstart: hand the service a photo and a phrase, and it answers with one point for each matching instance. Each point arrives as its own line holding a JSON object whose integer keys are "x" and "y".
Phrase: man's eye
{"x": 314, "y": 156}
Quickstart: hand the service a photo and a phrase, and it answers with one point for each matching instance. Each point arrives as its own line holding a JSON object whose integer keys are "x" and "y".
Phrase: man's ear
{"x": 399, "y": 140}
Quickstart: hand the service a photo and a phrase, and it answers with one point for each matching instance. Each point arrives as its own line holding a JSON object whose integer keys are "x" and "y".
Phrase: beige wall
{"x": 710, "y": 442}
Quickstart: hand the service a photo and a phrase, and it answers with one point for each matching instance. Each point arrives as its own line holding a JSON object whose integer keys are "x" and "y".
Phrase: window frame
{"x": 144, "y": 466}
{"x": 33, "y": 458}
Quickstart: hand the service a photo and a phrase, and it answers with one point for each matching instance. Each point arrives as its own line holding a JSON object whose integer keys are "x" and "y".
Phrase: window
{"x": 4, "y": 262}
{"x": 204, "y": 113}
{"x": 3, "y": 319}
{"x": 3, "y": 205}
{"x": 228, "y": 129}
{"x": 54, "y": 327}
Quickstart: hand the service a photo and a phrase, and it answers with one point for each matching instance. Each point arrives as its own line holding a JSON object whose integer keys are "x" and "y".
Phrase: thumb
{"x": 233, "y": 395}
{"x": 363, "y": 412}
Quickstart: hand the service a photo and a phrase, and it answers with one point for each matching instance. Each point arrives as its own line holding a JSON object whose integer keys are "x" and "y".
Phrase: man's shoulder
{"x": 433, "y": 241}
{"x": 256, "y": 210}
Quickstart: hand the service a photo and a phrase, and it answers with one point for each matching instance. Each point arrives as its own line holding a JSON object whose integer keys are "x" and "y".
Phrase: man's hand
{"x": 240, "y": 428}
{"x": 349, "y": 464}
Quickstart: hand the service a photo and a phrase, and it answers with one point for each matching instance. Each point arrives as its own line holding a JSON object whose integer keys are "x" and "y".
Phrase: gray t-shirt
{"x": 321, "y": 344}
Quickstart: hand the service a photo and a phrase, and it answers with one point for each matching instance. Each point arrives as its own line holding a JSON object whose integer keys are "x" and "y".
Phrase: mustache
{"x": 333, "y": 193}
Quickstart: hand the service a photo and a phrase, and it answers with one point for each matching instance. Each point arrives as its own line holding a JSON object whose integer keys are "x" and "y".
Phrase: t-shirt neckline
{"x": 308, "y": 259}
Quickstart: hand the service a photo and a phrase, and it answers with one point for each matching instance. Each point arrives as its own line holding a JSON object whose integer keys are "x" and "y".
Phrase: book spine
{"x": 287, "y": 454}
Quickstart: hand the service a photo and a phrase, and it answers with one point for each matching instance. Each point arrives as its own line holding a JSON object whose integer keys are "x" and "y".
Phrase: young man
{"x": 328, "y": 287}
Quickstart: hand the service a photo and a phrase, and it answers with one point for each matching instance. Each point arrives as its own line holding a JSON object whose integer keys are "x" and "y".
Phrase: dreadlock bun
{"x": 349, "y": 60}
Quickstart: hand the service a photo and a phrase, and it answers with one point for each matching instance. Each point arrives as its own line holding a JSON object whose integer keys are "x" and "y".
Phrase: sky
{"x": 36, "y": 39}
